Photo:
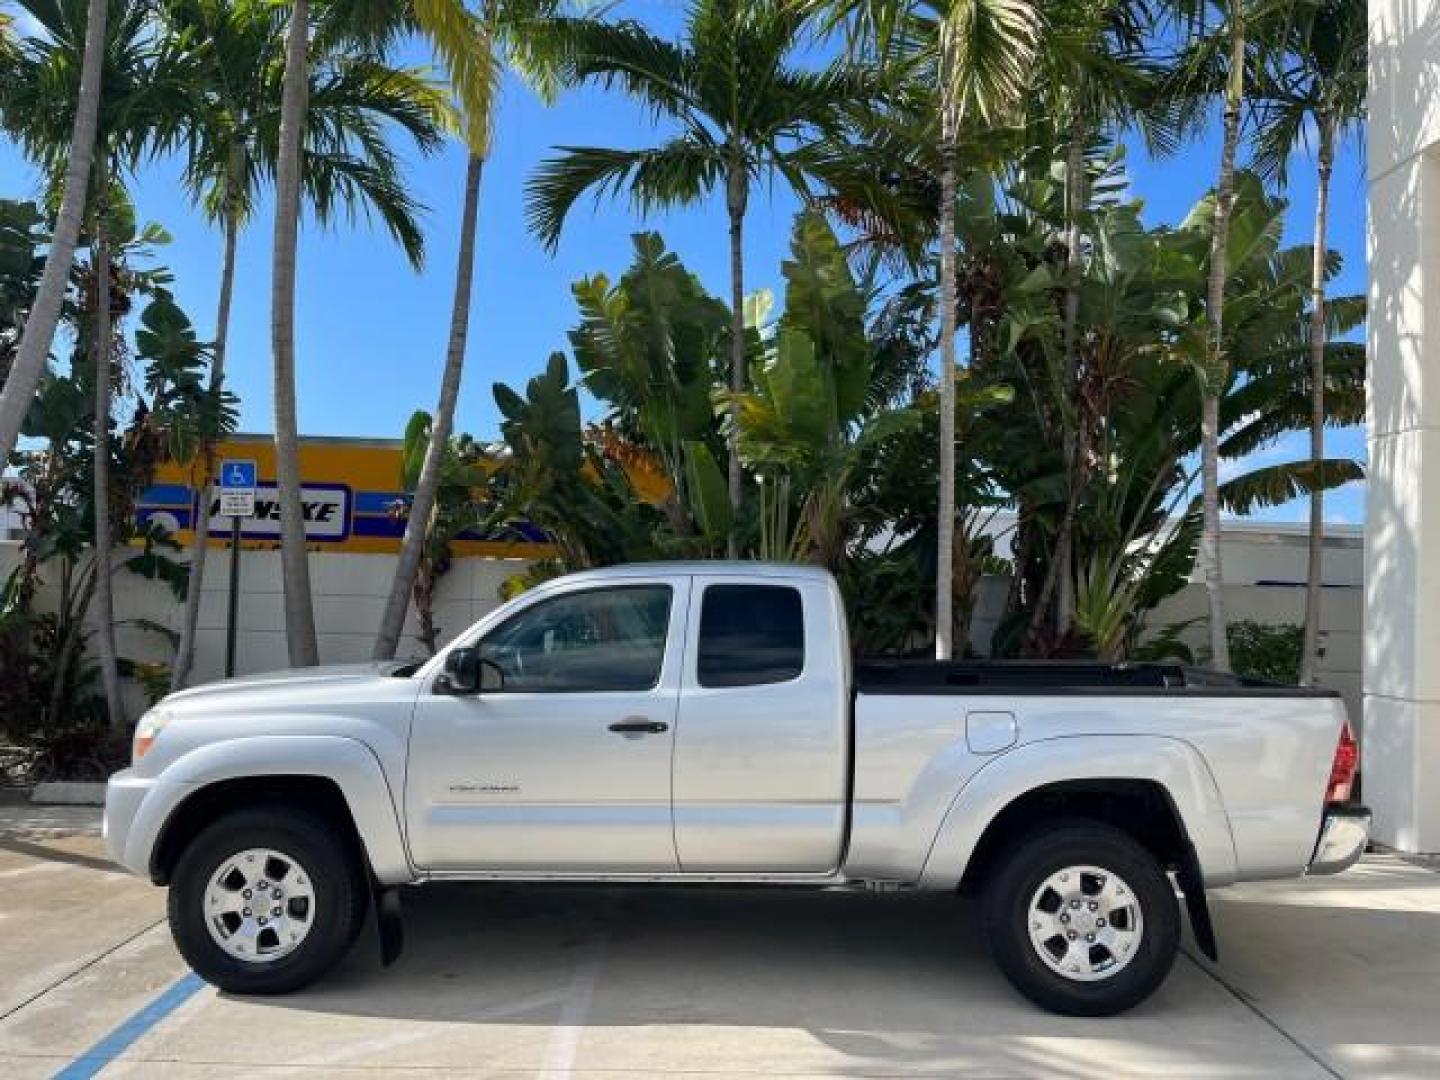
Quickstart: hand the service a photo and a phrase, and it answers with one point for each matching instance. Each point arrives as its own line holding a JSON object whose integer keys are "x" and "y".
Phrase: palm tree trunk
{"x": 70, "y": 636}
{"x": 104, "y": 594}
{"x": 1325, "y": 157}
{"x": 200, "y": 527}
{"x": 294, "y": 558}
{"x": 945, "y": 543}
{"x": 19, "y": 389}
{"x": 1057, "y": 571}
{"x": 417, "y": 526}
{"x": 1216, "y": 367}
{"x": 737, "y": 192}
{"x": 1064, "y": 541}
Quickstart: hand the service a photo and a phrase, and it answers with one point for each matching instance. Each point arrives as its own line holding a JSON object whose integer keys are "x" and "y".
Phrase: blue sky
{"x": 371, "y": 331}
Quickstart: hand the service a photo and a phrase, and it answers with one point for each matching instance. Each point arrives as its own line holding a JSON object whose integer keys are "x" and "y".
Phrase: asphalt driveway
{"x": 1326, "y": 977}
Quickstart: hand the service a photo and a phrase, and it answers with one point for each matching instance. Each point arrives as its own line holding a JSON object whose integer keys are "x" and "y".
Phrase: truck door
{"x": 762, "y": 743}
{"x": 561, "y": 763}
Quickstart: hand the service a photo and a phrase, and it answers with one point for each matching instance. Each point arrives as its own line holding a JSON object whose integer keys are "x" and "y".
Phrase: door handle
{"x": 638, "y": 725}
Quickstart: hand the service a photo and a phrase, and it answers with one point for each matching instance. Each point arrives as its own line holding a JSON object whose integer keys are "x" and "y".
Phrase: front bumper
{"x": 1343, "y": 836}
{"x": 130, "y": 822}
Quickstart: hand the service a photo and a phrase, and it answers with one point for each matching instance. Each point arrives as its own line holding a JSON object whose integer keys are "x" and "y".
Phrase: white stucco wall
{"x": 1402, "y": 611}
{"x": 1341, "y": 613}
{"x": 349, "y": 594}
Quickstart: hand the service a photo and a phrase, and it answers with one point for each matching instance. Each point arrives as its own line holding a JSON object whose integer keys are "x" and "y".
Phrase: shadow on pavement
{"x": 46, "y": 853}
{"x": 888, "y": 982}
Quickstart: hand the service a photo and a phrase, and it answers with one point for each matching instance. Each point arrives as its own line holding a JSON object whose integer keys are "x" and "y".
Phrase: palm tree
{"x": 743, "y": 109}
{"x": 231, "y": 149}
{"x": 1318, "y": 84}
{"x": 977, "y": 54}
{"x": 422, "y": 508}
{"x": 24, "y": 375}
{"x": 1223, "y": 58}
{"x": 518, "y": 35}
{"x": 101, "y": 496}
{"x": 304, "y": 650}
{"x": 450, "y": 29}
{"x": 136, "y": 115}
{"x": 1215, "y": 368}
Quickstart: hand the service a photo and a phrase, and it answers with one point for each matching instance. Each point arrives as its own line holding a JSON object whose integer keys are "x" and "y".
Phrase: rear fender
{"x": 1171, "y": 763}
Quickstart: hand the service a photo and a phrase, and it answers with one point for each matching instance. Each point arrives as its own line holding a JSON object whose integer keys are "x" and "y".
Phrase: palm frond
{"x": 986, "y": 48}
{"x": 341, "y": 185}
{"x": 1277, "y": 484}
{"x": 677, "y": 172}
{"x": 626, "y": 56}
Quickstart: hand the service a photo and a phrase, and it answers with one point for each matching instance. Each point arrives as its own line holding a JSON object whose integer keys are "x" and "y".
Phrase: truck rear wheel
{"x": 1082, "y": 919}
{"x": 266, "y": 900}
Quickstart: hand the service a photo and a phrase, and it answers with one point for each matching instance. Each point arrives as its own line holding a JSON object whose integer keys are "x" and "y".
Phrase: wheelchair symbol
{"x": 238, "y": 474}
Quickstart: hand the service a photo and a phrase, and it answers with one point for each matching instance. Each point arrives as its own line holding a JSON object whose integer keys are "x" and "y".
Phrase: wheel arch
{"x": 336, "y": 776}
{"x": 319, "y": 795}
{"x": 1142, "y": 809}
{"x": 1109, "y": 778}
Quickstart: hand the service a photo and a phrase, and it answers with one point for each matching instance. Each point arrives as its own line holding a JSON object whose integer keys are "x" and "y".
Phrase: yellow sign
{"x": 350, "y": 489}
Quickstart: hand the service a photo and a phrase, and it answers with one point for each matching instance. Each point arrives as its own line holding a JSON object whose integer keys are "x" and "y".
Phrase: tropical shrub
{"x": 1269, "y": 652}
{"x": 50, "y": 700}
{"x": 838, "y": 430}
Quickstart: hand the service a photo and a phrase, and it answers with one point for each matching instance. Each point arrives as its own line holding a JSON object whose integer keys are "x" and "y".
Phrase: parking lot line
{"x": 126, "y": 1033}
{"x": 564, "y": 1043}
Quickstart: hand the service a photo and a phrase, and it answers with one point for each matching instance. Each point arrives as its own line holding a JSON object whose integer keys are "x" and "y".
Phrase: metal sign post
{"x": 233, "y": 601}
{"x": 237, "y": 502}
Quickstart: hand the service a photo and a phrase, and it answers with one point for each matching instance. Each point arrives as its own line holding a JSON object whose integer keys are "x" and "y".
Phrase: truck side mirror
{"x": 492, "y": 675}
{"x": 467, "y": 672}
{"x": 462, "y": 670}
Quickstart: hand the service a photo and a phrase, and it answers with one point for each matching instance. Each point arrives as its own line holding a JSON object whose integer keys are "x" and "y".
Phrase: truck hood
{"x": 293, "y": 677}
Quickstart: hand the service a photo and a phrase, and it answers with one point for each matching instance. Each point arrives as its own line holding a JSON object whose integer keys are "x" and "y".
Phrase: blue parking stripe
{"x": 123, "y": 1037}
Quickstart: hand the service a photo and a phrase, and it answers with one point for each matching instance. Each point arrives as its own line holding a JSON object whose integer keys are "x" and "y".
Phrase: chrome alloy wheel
{"x": 259, "y": 905}
{"x": 1085, "y": 923}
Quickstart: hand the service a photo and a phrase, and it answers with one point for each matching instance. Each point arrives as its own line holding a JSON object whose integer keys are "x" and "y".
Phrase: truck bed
{"x": 884, "y": 676}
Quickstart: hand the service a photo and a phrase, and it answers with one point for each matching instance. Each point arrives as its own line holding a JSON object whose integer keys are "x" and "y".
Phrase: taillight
{"x": 1344, "y": 767}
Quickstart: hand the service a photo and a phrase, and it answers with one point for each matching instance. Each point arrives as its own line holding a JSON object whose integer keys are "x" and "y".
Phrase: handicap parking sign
{"x": 237, "y": 488}
{"x": 237, "y": 474}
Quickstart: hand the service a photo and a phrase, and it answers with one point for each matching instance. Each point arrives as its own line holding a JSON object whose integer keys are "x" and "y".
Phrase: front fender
{"x": 1173, "y": 763}
{"x": 350, "y": 764}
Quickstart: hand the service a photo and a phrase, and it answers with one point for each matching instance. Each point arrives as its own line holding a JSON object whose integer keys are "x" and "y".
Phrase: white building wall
{"x": 1402, "y": 645}
{"x": 1341, "y": 615}
{"x": 349, "y": 593}
{"x": 1265, "y": 569}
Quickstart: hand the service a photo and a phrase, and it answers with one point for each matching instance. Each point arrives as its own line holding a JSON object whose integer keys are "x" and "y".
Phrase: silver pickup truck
{"x": 703, "y": 722}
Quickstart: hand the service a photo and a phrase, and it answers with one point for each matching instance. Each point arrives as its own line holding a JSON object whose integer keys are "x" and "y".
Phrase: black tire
{"x": 328, "y": 853}
{"x": 1005, "y": 911}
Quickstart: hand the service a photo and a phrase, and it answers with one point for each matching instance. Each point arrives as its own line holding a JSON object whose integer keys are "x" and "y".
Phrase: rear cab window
{"x": 750, "y": 635}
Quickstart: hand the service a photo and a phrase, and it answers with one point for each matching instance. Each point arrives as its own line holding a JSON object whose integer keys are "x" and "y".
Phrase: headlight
{"x": 147, "y": 730}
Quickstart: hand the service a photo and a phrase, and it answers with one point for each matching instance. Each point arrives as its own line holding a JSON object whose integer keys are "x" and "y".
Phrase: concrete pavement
{"x": 1320, "y": 978}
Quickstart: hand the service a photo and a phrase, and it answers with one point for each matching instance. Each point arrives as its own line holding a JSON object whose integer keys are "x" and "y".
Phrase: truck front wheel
{"x": 1082, "y": 919}
{"x": 266, "y": 900}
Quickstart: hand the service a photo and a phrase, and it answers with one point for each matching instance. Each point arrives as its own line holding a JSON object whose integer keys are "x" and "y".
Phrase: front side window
{"x": 595, "y": 641}
{"x": 750, "y": 635}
